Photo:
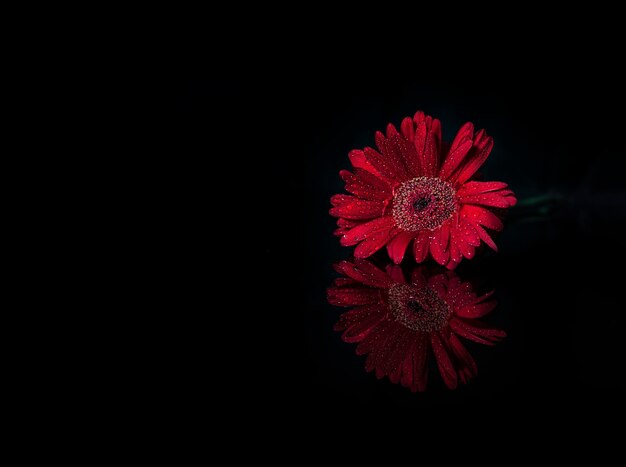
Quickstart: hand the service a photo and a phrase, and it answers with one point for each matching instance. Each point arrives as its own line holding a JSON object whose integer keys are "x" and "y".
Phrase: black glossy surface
{"x": 559, "y": 273}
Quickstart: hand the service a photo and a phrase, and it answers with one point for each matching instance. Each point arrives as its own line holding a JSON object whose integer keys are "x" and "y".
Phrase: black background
{"x": 282, "y": 133}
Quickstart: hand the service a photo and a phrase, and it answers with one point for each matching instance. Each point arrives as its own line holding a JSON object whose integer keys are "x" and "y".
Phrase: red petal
{"x": 455, "y": 288}
{"x": 469, "y": 234}
{"x": 484, "y": 236}
{"x": 391, "y": 131}
{"x": 383, "y": 165}
{"x": 455, "y": 157}
{"x": 463, "y": 357}
{"x": 348, "y": 223}
{"x": 357, "y": 208}
{"x": 355, "y": 315}
{"x": 409, "y": 156}
{"x": 349, "y": 296}
{"x": 358, "y": 160}
{"x": 421, "y": 131}
{"x": 374, "y": 242}
{"x": 496, "y": 199}
{"x": 427, "y": 144}
{"x": 465, "y": 249}
{"x": 483, "y": 297}
{"x": 397, "y": 247}
{"x": 465, "y": 132}
{"x": 479, "y": 155}
{"x": 417, "y": 277}
{"x": 357, "y": 186}
{"x": 343, "y": 281}
{"x": 373, "y": 180}
{"x": 466, "y": 334}
{"x": 365, "y": 272}
{"x": 363, "y": 231}
{"x": 407, "y": 129}
{"x": 420, "y": 363}
{"x": 338, "y": 200}
{"x": 385, "y": 333}
{"x": 345, "y": 225}
{"x": 438, "y": 249}
{"x": 372, "y": 271}
{"x": 419, "y": 116}
{"x": 455, "y": 252}
{"x": 391, "y": 152}
{"x": 438, "y": 284}
{"x": 370, "y": 342}
{"x": 379, "y": 139}
{"x": 477, "y": 310}
{"x": 476, "y": 188}
{"x": 481, "y": 216}
{"x": 396, "y": 351}
{"x": 421, "y": 246}
{"x": 476, "y": 331}
{"x": 430, "y": 158}
{"x": 444, "y": 234}
{"x": 394, "y": 376}
{"x": 459, "y": 149}
{"x": 358, "y": 331}
{"x": 467, "y": 299}
{"x": 399, "y": 356}
{"x": 395, "y": 272}
{"x": 446, "y": 368}
{"x": 407, "y": 366}
{"x": 480, "y": 329}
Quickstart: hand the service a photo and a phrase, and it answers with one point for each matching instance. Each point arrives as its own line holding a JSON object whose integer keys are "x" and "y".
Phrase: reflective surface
{"x": 558, "y": 273}
{"x": 400, "y": 319}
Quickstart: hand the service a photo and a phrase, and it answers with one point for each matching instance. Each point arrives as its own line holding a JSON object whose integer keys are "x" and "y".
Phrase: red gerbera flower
{"x": 417, "y": 189}
{"x": 398, "y": 322}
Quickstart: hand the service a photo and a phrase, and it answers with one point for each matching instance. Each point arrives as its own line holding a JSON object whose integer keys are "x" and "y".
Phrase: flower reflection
{"x": 397, "y": 319}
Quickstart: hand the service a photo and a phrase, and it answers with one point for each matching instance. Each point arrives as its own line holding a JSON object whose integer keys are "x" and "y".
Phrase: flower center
{"x": 419, "y": 309}
{"x": 423, "y": 203}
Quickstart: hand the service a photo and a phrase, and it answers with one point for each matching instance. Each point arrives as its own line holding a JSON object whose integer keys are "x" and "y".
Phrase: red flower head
{"x": 417, "y": 189}
{"x": 398, "y": 322}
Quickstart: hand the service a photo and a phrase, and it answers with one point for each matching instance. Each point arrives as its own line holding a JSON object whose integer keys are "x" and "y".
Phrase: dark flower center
{"x": 423, "y": 203}
{"x": 414, "y": 306}
{"x": 418, "y": 308}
